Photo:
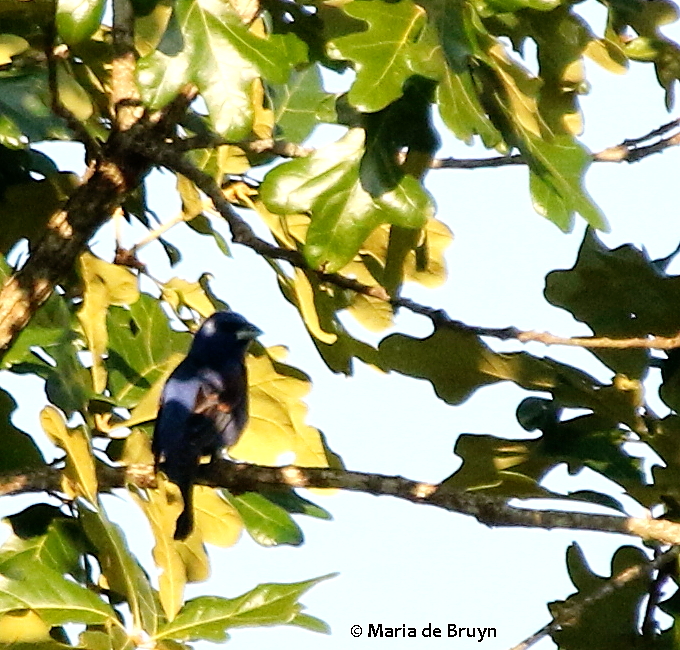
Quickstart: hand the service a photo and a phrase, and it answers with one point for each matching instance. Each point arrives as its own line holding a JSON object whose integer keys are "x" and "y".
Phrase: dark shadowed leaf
{"x": 611, "y": 621}
{"x": 597, "y": 291}
{"x": 17, "y": 449}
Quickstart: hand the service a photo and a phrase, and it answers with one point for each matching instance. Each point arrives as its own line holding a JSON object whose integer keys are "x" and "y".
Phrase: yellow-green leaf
{"x": 79, "y": 478}
{"x": 277, "y": 416}
{"x": 218, "y": 521}
{"x": 105, "y": 284}
{"x": 178, "y": 292}
{"x": 11, "y": 45}
{"x": 162, "y": 507}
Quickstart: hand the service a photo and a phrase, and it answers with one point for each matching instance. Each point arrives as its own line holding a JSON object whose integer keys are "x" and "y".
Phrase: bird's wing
{"x": 221, "y": 406}
{"x": 177, "y": 405}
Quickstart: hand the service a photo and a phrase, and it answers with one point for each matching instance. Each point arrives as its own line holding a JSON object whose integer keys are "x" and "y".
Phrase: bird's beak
{"x": 248, "y": 333}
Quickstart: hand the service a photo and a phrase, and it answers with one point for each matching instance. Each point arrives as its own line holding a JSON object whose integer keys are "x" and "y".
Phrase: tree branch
{"x": 571, "y": 613}
{"x": 125, "y": 100}
{"x": 630, "y": 150}
{"x": 243, "y": 234}
{"x": 243, "y": 477}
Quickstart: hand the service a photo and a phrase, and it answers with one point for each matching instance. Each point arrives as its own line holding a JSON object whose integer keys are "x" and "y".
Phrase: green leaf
{"x": 56, "y": 599}
{"x": 512, "y": 6}
{"x": 311, "y": 623}
{"x": 122, "y": 571}
{"x": 142, "y": 349}
{"x": 49, "y": 327}
{"x": 209, "y": 617}
{"x": 292, "y": 502}
{"x": 651, "y": 44}
{"x": 67, "y": 382}
{"x": 25, "y": 102}
{"x": 556, "y": 181}
{"x": 77, "y": 20}
{"x": 461, "y": 110}
{"x": 386, "y": 54}
{"x": 207, "y": 43}
{"x": 328, "y": 186}
{"x": 267, "y": 523}
{"x": 201, "y": 224}
{"x": 301, "y": 103}
{"x": 43, "y": 534}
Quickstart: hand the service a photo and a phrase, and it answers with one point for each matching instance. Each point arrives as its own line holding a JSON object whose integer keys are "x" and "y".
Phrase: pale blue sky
{"x": 406, "y": 564}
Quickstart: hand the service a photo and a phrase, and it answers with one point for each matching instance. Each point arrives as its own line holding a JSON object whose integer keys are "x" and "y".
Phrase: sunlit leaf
{"x": 45, "y": 591}
{"x": 104, "y": 284}
{"x": 328, "y": 186}
{"x": 77, "y": 20}
{"x": 123, "y": 573}
{"x": 58, "y": 546}
{"x": 386, "y": 54}
{"x": 208, "y": 44}
{"x": 209, "y": 617}
{"x": 178, "y": 292}
{"x": 267, "y": 523}
{"x": 301, "y": 104}
{"x": 277, "y": 415}
{"x": 79, "y": 477}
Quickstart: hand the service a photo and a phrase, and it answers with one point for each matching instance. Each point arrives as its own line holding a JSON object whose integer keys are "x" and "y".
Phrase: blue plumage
{"x": 204, "y": 404}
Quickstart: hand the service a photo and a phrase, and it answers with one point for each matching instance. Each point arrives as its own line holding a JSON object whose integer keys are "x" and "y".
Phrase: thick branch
{"x": 242, "y": 477}
{"x": 125, "y": 99}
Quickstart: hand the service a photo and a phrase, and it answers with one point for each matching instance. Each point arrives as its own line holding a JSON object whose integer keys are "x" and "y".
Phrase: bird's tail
{"x": 185, "y": 521}
{"x": 182, "y": 475}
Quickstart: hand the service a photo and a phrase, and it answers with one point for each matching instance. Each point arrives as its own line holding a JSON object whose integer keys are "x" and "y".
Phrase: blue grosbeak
{"x": 204, "y": 404}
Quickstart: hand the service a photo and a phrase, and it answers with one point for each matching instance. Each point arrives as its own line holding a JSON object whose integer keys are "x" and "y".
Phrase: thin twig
{"x": 570, "y": 614}
{"x": 649, "y": 623}
{"x": 630, "y": 150}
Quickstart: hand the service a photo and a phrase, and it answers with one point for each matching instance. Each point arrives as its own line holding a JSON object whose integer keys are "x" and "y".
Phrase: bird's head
{"x": 223, "y": 336}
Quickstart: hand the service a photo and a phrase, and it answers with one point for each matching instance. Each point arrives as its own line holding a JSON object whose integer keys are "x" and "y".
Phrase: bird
{"x": 203, "y": 405}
